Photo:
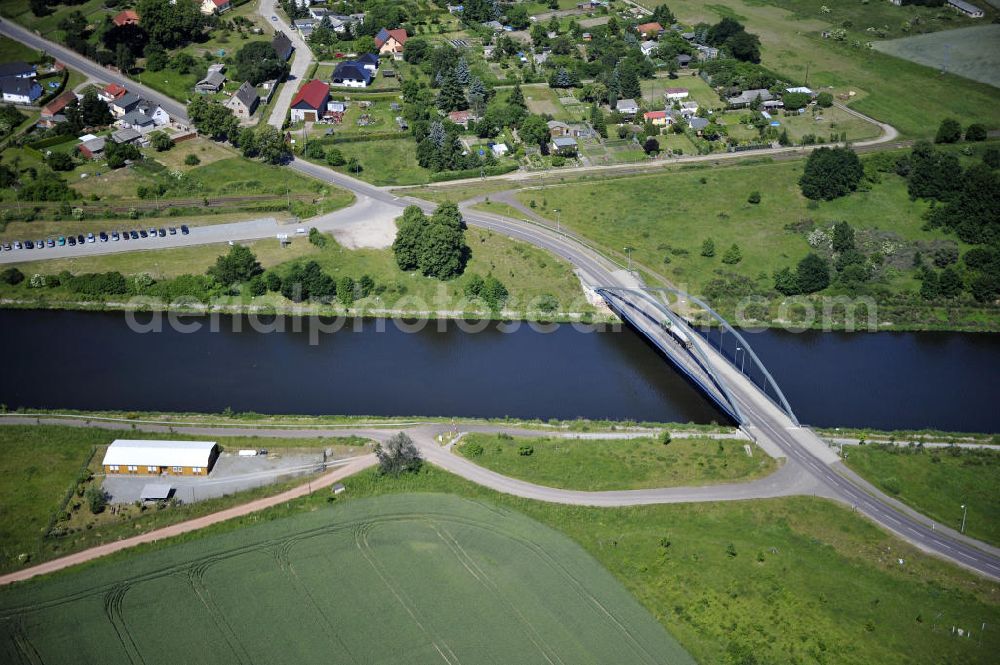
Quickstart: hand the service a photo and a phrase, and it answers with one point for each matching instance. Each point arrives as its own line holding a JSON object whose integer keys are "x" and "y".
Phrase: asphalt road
{"x": 301, "y": 59}
{"x": 810, "y": 458}
{"x": 91, "y": 69}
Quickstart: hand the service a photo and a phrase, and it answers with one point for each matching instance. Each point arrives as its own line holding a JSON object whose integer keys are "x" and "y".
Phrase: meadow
{"x": 616, "y": 464}
{"x": 784, "y": 580}
{"x": 937, "y": 482}
{"x": 395, "y": 579}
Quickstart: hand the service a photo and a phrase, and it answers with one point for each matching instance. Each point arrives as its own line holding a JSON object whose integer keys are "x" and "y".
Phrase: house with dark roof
{"x": 92, "y": 148}
{"x": 627, "y": 107}
{"x": 17, "y": 90}
{"x": 282, "y": 45}
{"x": 564, "y": 145}
{"x": 18, "y": 69}
{"x": 697, "y": 124}
{"x": 683, "y": 60}
{"x": 351, "y": 74}
{"x": 213, "y": 82}
{"x": 369, "y": 60}
{"x": 747, "y": 97}
{"x": 124, "y": 104}
{"x": 244, "y": 102}
{"x": 309, "y": 103}
{"x": 127, "y": 135}
{"x": 391, "y": 41}
{"x": 137, "y": 120}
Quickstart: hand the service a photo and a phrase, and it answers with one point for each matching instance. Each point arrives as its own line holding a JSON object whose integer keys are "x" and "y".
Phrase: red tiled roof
{"x": 654, "y": 115}
{"x": 399, "y": 34}
{"x": 313, "y": 94}
{"x": 649, "y": 27}
{"x": 125, "y": 17}
{"x": 114, "y": 90}
{"x": 221, "y": 3}
{"x": 58, "y": 104}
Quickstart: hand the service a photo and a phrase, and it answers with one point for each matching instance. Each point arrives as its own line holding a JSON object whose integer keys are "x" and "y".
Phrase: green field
{"x": 616, "y": 464}
{"x": 401, "y": 579}
{"x": 970, "y": 52}
{"x": 42, "y": 462}
{"x": 937, "y": 482}
{"x": 810, "y": 581}
{"x": 887, "y": 88}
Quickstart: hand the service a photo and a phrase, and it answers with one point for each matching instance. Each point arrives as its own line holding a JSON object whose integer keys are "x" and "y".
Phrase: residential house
{"x": 463, "y": 117}
{"x": 455, "y": 9}
{"x": 586, "y": 37}
{"x": 969, "y": 10}
{"x": 648, "y": 47}
{"x": 52, "y": 113}
{"x": 126, "y": 135}
{"x": 305, "y": 26}
{"x": 111, "y": 92}
{"x": 309, "y": 103}
{"x": 747, "y": 97}
{"x": 564, "y": 145}
{"x": 158, "y": 114}
{"x": 209, "y": 7}
{"x": 282, "y": 45}
{"x": 369, "y": 61}
{"x": 580, "y": 130}
{"x": 675, "y": 94}
{"x": 351, "y": 74}
{"x": 319, "y": 13}
{"x": 92, "y": 148}
{"x": 18, "y": 90}
{"x": 124, "y": 104}
{"x": 126, "y": 17}
{"x": 683, "y": 60}
{"x": 496, "y": 26}
{"x": 689, "y": 109}
{"x": 303, "y": 4}
{"x": 541, "y": 58}
{"x": 212, "y": 82}
{"x": 391, "y": 41}
{"x": 646, "y": 29}
{"x": 707, "y": 52}
{"x": 557, "y": 128}
{"x": 138, "y": 121}
{"x": 244, "y": 102}
{"x": 658, "y": 118}
{"x": 17, "y": 69}
{"x": 697, "y": 124}
{"x": 689, "y": 36}
{"x": 627, "y": 107}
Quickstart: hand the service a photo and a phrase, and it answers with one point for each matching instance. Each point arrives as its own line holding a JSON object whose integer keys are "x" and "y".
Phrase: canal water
{"x": 93, "y": 360}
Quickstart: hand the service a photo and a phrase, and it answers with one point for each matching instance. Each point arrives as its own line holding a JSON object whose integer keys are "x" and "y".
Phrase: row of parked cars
{"x": 103, "y": 236}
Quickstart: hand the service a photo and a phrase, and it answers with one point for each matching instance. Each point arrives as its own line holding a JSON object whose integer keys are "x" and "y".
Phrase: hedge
{"x": 473, "y": 173}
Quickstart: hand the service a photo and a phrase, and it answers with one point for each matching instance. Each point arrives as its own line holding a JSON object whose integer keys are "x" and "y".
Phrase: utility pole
{"x": 628, "y": 250}
{"x": 558, "y": 215}
{"x": 965, "y": 510}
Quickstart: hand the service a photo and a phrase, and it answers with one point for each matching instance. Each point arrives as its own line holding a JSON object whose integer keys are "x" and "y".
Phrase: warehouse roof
{"x": 124, "y": 452}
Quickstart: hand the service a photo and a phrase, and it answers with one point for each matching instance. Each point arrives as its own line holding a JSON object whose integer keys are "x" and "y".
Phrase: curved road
{"x": 809, "y": 464}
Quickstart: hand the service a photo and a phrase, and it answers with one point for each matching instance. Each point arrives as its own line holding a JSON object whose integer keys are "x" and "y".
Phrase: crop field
{"x": 970, "y": 52}
{"x": 614, "y": 464}
{"x": 411, "y": 578}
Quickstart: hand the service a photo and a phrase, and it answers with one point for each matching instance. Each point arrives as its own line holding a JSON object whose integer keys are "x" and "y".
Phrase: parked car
{"x": 114, "y": 236}
{"x": 27, "y": 244}
{"x": 62, "y": 241}
{"x": 50, "y": 243}
{"x": 72, "y": 241}
{"x": 6, "y": 247}
{"x": 151, "y": 231}
{"x": 40, "y": 243}
{"x": 103, "y": 236}
{"x": 163, "y": 232}
{"x": 184, "y": 229}
{"x": 91, "y": 238}
{"x": 142, "y": 233}
{"x": 80, "y": 239}
{"x": 134, "y": 235}
{"x": 172, "y": 230}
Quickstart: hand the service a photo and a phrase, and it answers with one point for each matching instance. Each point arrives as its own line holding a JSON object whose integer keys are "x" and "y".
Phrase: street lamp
{"x": 558, "y": 212}
{"x": 628, "y": 250}
{"x": 965, "y": 510}
{"x": 743, "y": 359}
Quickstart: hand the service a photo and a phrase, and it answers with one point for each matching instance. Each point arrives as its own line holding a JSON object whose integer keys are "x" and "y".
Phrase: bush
{"x": 398, "y": 455}
{"x": 891, "y": 485}
{"x": 708, "y": 248}
{"x": 60, "y": 161}
{"x": 472, "y": 449}
{"x": 335, "y": 158}
{"x": 824, "y": 100}
{"x": 949, "y": 131}
{"x": 96, "y": 498}
{"x": 975, "y": 132}
{"x": 665, "y": 438}
{"x": 317, "y": 238}
{"x": 12, "y": 276}
{"x": 754, "y": 198}
{"x": 525, "y": 450}
{"x": 314, "y": 150}
{"x": 192, "y": 160}
{"x": 733, "y": 255}
{"x": 831, "y": 173}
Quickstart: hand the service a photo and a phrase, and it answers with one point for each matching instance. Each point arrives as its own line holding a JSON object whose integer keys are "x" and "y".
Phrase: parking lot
{"x": 230, "y": 474}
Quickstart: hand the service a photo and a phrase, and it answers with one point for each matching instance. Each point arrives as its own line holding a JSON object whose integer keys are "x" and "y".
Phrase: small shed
{"x": 156, "y": 492}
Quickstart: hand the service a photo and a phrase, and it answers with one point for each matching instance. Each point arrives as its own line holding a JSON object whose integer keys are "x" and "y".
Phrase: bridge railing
{"x": 761, "y": 377}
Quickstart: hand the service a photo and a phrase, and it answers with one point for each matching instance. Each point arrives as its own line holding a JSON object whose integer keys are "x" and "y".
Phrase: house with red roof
{"x": 658, "y": 118}
{"x": 654, "y": 29}
{"x": 111, "y": 92}
{"x": 126, "y": 17}
{"x": 309, "y": 103}
{"x": 391, "y": 41}
{"x": 52, "y": 112}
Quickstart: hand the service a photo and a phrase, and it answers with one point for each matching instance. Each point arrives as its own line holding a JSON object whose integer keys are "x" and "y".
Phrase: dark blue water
{"x": 89, "y": 360}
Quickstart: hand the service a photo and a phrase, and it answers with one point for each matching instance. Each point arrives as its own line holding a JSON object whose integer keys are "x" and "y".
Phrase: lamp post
{"x": 628, "y": 250}
{"x": 743, "y": 360}
{"x": 558, "y": 213}
{"x": 965, "y": 510}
